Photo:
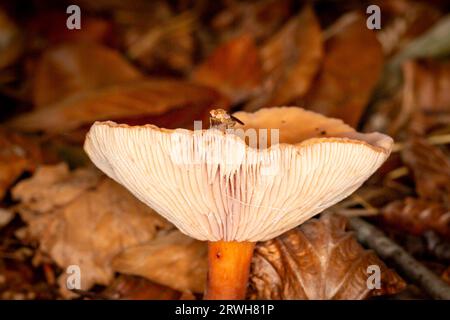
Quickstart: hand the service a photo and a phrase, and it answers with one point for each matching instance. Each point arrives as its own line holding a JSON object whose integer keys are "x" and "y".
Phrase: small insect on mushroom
{"x": 222, "y": 120}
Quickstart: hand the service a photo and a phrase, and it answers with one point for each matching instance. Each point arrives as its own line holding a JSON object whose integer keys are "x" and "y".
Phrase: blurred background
{"x": 168, "y": 63}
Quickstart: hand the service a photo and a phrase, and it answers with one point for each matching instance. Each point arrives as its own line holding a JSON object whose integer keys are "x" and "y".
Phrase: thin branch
{"x": 411, "y": 268}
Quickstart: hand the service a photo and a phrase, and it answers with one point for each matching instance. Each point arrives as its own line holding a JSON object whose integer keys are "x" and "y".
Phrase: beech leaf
{"x": 234, "y": 68}
{"x": 318, "y": 260}
{"x": 431, "y": 170}
{"x": 292, "y": 57}
{"x": 172, "y": 260}
{"x": 135, "y": 101}
{"x": 431, "y": 85}
{"x": 75, "y": 67}
{"x": 351, "y": 68}
{"x": 417, "y": 216}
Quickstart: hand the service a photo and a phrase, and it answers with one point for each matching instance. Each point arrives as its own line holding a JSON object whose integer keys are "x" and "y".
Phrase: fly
{"x": 222, "y": 120}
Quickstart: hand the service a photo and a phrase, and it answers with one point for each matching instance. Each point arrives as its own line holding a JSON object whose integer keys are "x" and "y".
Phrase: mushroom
{"x": 236, "y": 186}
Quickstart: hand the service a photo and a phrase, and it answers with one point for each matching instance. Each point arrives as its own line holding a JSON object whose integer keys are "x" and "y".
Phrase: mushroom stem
{"x": 228, "y": 269}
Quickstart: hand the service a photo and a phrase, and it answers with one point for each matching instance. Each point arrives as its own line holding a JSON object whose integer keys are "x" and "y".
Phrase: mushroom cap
{"x": 214, "y": 185}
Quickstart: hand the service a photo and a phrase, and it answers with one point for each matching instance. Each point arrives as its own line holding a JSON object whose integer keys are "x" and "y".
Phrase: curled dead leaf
{"x": 431, "y": 170}
{"x": 233, "y": 68}
{"x": 292, "y": 57}
{"x": 172, "y": 259}
{"x": 344, "y": 92}
{"x": 421, "y": 105}
{"x": 417, "y": 216}
{"x": 430, "y": 85}
{"x": 318, "y": 260}
{"x": 74, "y": 67}
{"x": 135, "y": 101}
{"x": 83, "y": 218}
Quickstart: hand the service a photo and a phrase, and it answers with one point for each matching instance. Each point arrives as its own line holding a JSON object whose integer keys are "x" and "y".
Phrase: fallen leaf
{"x": 351, "y": 68}
{"x": 431, "y": 170}
{"x": 83, "y": 218}
{"x": 52, "y": 187}
{"x": 136, "y": 101}
{"x": 426, "y": 102}
{"x": 417, "y": 216}
{"x": 173, "y": 260}
{"x": 74, "y": 67}
{"x": 292, "y": 57}
{"x": 234, "y": 68}
{"x": 318, "y": 260}
{"x": 431, "y": 85}
{"x": 18, "y": 154}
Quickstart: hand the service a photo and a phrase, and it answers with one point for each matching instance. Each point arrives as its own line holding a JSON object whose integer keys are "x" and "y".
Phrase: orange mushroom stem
{"x": 229, "y": 268}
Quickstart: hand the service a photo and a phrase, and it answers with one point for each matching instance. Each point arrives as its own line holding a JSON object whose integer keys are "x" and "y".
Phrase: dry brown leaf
{"x": 431, "y": 85}
{"x": 137, "y": 101}
{"x": 234, "y": 68}
{"x": 75, "y": 67}
{"x": 431, "y": 170}
{"x": 425, "y": 98}
{"x": 422, "y": 105}
{"x": 52, "y": 187}
{"x": 17, "y": 155}
{"x": 173, "y": 260}
{"x": 318, "y": 260}
{"x": 83, "y": 218}
{"x": 351, "y": 68}
{"x": 417, "y": 216}
{"x": 292, "y": 57}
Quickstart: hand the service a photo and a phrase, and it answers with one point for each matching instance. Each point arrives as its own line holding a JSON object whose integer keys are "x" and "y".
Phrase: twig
{"x": 350, "y": 213}
{"x": 412, "y": 269}
{"x": 397, "y": 173}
